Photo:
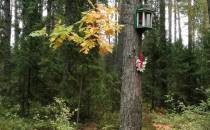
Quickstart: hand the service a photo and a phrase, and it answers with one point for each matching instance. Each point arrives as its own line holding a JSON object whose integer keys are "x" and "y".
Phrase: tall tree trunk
{"x": 209, "y": 9}
{"x": 163, "y": 54}
{"x": 79, "y": 100}
{"x": 162, "y": 22}
{"x": 190, "y": 25}
{"x": 16, "y": 17}
{"x": 6, "y": 42}
{"x": 49, "y": 23}
{"x": 28, "y": 93}
{"x": 23, "y": 96}
{"x": 175, "y": 20}
{"x": 179, "y": 24}
{"x": 207, "y": 47}
{"x": 130, "y": 110}
{"x": 1, "y": 33}
{"x": 205, "y": 19}
{"x": 1, "y": 7}
{"x": 170, "y": 19}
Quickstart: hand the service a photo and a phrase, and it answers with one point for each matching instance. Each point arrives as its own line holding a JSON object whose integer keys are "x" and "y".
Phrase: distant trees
{"x": 182, "y": 69}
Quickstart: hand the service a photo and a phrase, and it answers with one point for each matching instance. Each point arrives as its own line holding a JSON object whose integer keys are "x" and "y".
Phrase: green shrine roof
{"x": 145, "y": 7}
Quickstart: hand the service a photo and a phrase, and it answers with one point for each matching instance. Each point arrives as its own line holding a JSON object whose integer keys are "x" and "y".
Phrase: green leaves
{"x": 39, "y": 33}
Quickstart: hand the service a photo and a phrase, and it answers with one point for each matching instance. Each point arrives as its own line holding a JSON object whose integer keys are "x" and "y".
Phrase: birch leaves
{"x": 91, "y": 31}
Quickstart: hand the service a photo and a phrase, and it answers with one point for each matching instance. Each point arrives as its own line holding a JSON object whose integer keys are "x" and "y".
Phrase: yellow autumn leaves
{"x": 91, "y": 31}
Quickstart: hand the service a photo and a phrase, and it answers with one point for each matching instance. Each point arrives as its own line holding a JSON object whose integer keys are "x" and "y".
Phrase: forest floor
{"x": 147, "y": 120}
{"x": 89, "y": 126}
{"x": 147, "y": 123}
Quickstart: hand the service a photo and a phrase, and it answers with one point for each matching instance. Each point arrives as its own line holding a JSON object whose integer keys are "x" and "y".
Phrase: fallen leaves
{"x": 162, "y": 127}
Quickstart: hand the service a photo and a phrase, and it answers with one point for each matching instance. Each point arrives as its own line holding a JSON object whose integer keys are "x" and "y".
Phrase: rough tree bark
{"x": 131, "y": 90}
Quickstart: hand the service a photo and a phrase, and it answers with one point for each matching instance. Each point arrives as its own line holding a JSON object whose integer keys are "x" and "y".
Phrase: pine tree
{"x": 163, "y": 60}
{"x": 28, "y": 54}
{"x": 131, "y": 88}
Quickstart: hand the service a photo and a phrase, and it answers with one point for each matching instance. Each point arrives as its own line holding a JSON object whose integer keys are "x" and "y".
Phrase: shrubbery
{"x": 190, "y": 117}
{"x": 55, "y": 116}
{"x": 110, "y": 121}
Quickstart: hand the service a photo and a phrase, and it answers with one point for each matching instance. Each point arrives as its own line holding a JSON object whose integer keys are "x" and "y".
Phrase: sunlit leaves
{"x": 105, "y": 48}
{"x": 96, "y": 27}
{"x": 60, "y": 34}
{"x": 91, "y": 31}
{"x": 39, "y": 33}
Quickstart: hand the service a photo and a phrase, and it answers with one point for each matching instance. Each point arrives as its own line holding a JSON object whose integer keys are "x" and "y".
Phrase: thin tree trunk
{"x": 162, "y": 22}
{"x": 49, "y": 15}
{"x": 170, "y": 19}
{"x": 79, "y": 101}
{"x": 205, "y": 22}
{"x": 28, "y": 92}
{"x": 1, "y": 7}
{"x": 130, "y": 109}
{"x": 25, "y": 104}
{"x": 193, "y": 23}
{"x": 179, "y": 24}
{"x": 209, "y": 9}
{"x": 190, "y": 25}
{"x": 16, "y": 17}
{"x": 1, "y": 27}
{"x": 23, "y": 98}
{"x": 208, "y": 49}
{"x": 175, "y": 20}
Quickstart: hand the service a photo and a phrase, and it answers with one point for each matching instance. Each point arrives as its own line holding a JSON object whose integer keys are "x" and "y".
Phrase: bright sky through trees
{"x": 184, "y": 26}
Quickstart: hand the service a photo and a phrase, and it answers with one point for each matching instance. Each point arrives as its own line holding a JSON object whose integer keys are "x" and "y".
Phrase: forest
{"x": 104, "y": 64}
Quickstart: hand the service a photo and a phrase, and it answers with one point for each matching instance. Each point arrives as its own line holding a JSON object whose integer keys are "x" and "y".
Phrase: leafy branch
{"x": 89, "y": 32}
